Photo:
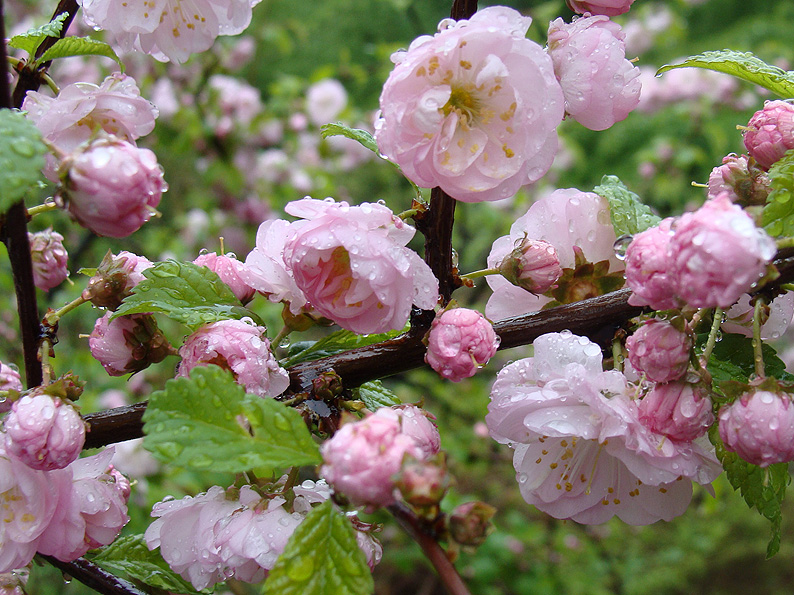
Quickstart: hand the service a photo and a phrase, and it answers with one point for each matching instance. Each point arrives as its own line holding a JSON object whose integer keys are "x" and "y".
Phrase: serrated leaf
{"x": 628, "y": 214}
{"x": 80, "y": 46}
{"x": 778, "y": 214}
{"x": 375, "y": 395}
{"x": 32, "y": 39}
{"x": 337, "y": 343}
{"x": 130, "y": 555}
{"x": 191, "y": 294}
{"x": 321, "y": 558}
{"x": 196, "y": 423}
{"x": 733, "y": 359}
{"x": 742, "y": 65}
{"x": 21, "y": 157}
{"x": 762, "y": 489}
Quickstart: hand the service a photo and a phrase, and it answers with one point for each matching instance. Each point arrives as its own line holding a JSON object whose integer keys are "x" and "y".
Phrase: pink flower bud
{"x": 600, "y": 86}
{"x": 128, "y": 344}
{"x": 231, "y": 272}
{"x": 532, "y": 265}
{"x": 460, "y": 341}
{"x": 112, "y": 187}
{"x": 648, "y": 268}
{"x": 241, "y": 347}
{"x": 679, "y": 410}
{"x": 470, "y": 523}
{"x": 717, "y": 254}
{"x": 423, "y": 484}
{"x": 115, "y": 278}
{"x": 49, "y": 259}
{"x": 44, "y": 432}
{"x": 746, "y": 183}
{"x": 609, "y": 8}
{"x": 770, "y": 132}
{"x": 9, "y": 380}
{"x": 759, "y": 427}
{"x": 659, "y": 350}
{"x": 418, "y": 424}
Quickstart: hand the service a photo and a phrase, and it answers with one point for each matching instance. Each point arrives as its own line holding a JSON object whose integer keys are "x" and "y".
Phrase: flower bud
{"x": 128, "y": 344}
{"x": 423, "y": 484}
{"x": 229, "y": 269}
{"x": 532, "y": 265}
{"x": 770, "y": 133}
{"x": 460, "y": 341}
{"x": 746, "y": 183}
{"x": 759, "y": 427}
{"x": 114, "y": 279}
{"x": 49, "y": 259}
{"x": 648, "y": 268}
{"x": 9, "y": 381}
{"x": 470, "y": 523}
{"x": 679, "y": 410}
{"x": 659, "y": 350}
{"x": 44, "y": 432}
{"x": 112, "y": 187}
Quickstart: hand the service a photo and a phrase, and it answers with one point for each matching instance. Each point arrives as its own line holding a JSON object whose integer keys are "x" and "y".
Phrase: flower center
{"x": 465, "y": 103}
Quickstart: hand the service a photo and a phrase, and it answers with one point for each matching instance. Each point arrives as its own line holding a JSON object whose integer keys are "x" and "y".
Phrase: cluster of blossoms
{"x": 237, "y": 533}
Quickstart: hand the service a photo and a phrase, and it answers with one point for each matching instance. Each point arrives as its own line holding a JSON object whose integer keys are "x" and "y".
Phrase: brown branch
{"x": 114, "y": 425}
{"x": 94, "y": 577}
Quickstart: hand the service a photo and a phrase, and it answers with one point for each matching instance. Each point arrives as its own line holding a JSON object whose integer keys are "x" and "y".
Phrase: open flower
{"x": 473, "y": 109}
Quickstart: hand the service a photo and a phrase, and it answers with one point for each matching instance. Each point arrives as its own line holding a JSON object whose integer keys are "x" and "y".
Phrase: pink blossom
{"x": 770, "y": 132}
{"x": 238, "y": 102}
{"x": 609, "y": 8}
{"x": 231, "y": 272}
{"x": 418, "y": 424}
{"x": 759, "y": 427}
{"x": 92, "y": 509}
{"x": 112, "y": 187}
{"x": 648, "y": 268}
{"x": 600, "y": 86}
{"x": 683, "y": 85}
{"x": 9, "y": 380}
{"x": 717, "y": 254}
{"x": 128, "y": 344}
{"x": 168, "y": 29}
{"x": 581, "y": 451}
{"x": 241, "y": 347}
{"x": 660, "y": 350}
{"x": 776, "y": 317}
{"x": 44, "y": 432}
{"x": 115, "y": 278}
{"x": 679, "y": 410}
{"x": 49, "y": 259}
{"x": 532, "y": 265}
{"x": 459, "y": 342}
{"x": 745, "y": 182}
{"x": 566, "y": 218}
{"x": 325, "y": 100}
{"x": 361, "y": 458}
{"x": 473, "y": 109}
{"x": 352, "y": 265}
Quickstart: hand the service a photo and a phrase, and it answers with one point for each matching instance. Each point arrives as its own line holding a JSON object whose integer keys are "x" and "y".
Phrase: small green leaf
{"x": 733, "y": 359}
{"x": 337, "y": 343}
{"x": 629, "y": 215}
{"x": 778, "y": 215}
{"x": 21, "y": 157}
{"x": 188, "y": 293}
{"x": 32, "y": 39}
{"x": 743, "y": 65}
{"x": 80, "y": 46}
{"x": 321, "y": 558}
{"x": 375, "y": 395}
{"x": 197, "y": 422}
{"x": 130, "y": 555}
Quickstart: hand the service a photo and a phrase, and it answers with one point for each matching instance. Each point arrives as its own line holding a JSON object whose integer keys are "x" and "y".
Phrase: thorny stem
{"x": 757, "y": 344}
{"x": 712, "y": 340}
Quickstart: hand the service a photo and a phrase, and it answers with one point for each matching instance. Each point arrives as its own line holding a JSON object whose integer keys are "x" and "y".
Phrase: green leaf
{"x": 321, "y": 558}
{"x": 21, "y": 157}
{"x": 743, "y": 65}
{"x": 31, "y": 40}
{"x": 130, "y": 555}
{"x": 80, "y": 46}
{"x": 733, "y": 359}
{"x": 762, "y": 489}
{"x": 337, "y": 343}
{"x": 191, "y": 294}
{"x": 195, "y": 423}
{"x": 375, "y": 395}
{"x": 778, "y": 215}
{"x": 629, "y": 215}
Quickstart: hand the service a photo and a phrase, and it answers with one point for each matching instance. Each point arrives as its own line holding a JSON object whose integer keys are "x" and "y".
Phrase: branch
{"x": 114, "y": 425}
{"x": 94, "y": 577}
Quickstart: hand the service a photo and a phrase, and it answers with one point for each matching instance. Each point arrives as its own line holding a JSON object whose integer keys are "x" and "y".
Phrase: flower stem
{"x": 712, "y": 340}
{"x": 784, "y": 243}
{"x": 42, "y": 208}
{"x": 617, "y": 355}
{"x": 480, "y": 273}
{"x": 757, "y": 344}
{"x": 282, "y": 334}
{"x": 408, "y": 214}
{"x": 54, "y": 316}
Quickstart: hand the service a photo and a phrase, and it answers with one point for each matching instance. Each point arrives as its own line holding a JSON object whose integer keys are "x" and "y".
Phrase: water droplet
{"x": 621, "y": 245}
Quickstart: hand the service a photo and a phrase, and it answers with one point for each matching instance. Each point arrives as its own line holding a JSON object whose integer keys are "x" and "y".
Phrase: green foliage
{"x": 21, "y": 157}
{"x": 188, "y": 293}
{"x": 362, "y": 137}
{"x": 32, "y": 39}
{"x": 80, "y": 46}
{"x": 778, "y": 215}
{"x": 375, "y": 395}
{"x": 743, "y": 65}
{"x": 197, "y": 422}
{"x": 629, "y": 215}
{"x": 321, "y": 558}
{"x": 762, "y": 489}
{"x": 733, "y": 359}
{"x": 130, "y": 555}
{"x": 338, "y": 342}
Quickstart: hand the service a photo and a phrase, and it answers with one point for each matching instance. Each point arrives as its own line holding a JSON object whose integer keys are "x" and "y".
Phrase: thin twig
{"x": 94, "y": 577}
